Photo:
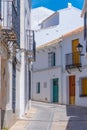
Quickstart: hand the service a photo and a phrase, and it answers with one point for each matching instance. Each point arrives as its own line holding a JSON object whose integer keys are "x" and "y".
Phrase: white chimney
{"x": 69, "y": 5}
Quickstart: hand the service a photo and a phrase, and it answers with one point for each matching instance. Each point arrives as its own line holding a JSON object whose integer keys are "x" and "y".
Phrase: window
{"x": 84, "y": 87}
{"x": 38, "y": 87}
{"x": 51, "y": 59}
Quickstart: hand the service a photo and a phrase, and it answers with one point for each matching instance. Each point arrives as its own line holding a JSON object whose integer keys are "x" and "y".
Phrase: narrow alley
{"x": 45, "y": 116}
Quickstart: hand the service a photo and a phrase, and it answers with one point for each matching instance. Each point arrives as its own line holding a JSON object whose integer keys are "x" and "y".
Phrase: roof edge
{"x": 60, "y": 39}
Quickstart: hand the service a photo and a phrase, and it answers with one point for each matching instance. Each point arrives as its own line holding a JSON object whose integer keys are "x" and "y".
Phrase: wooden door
{"x": 55, "y": 90}
{"x": 76, "y": 56}
{"x": 71, "y": 89}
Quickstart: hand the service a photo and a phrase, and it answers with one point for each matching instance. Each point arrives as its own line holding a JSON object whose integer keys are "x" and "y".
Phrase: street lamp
{"x": 79, "y": 49}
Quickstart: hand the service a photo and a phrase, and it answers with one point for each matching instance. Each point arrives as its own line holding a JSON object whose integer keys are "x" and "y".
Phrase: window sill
{"x": 83, "y": 95}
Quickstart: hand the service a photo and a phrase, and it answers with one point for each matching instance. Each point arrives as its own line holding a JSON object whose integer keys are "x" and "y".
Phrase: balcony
{"x": 73, "y": 60}
{"x": 9, "y": 21}
{"x": 30, "y": 40}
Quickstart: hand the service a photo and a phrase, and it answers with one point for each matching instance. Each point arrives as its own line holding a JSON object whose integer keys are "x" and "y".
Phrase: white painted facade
{"x": 22, "y": 67}
{"x": 38, "y": 15}
{"x": 20, "y": 79}
{"x": 44, "y": 74}
{"x": 67, "y": 42}
{"x": 58, "y": 39}
{"x": 69, "y": 20}
{"x": 25, "y": 24}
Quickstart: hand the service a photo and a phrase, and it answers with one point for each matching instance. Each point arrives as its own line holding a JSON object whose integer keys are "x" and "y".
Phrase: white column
{"x": 18, "y": 89}
{"x": 22, "y": 86}
{"x": 22, "y": 69}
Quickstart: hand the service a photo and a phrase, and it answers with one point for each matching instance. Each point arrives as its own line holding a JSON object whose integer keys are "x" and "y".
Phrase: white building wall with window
{"x": 44, "y": 74}
{"x": 80, "y": 98}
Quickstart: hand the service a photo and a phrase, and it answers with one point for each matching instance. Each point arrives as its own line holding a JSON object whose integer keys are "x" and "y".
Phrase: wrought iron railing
{"x": 30, "y": 40}
{"x": 10, "y": 20}
{"x": 73, "y": 60}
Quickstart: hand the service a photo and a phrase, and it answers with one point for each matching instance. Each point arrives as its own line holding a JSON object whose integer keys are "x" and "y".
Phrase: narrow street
{"x": 45, "y": 116}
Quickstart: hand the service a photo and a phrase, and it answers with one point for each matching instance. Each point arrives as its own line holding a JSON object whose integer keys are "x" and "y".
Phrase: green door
{"x": 55, "y": 90}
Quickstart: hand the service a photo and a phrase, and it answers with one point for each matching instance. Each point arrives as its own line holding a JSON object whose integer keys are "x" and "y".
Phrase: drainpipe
{"x": 61, "y": 70}
{"x": 29, "y": 73}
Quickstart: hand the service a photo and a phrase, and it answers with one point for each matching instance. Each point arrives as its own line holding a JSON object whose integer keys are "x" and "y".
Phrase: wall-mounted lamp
{"x": 79, "y": 49}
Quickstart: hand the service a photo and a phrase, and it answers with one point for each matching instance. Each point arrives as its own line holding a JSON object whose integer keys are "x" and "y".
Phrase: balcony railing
{"x": 73, "y": 60}
{"x": 10, "y": 21}
{"x": 30, "y": 40}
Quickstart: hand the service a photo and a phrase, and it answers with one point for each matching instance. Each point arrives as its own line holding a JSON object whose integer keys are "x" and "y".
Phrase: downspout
{"x": 61, "y": 70}
{"x": 29, "y": 75}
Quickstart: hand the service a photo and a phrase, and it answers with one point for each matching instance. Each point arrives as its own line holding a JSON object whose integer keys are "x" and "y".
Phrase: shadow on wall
{"x": 78, "y": 118}
{"x": 3, "y": 91}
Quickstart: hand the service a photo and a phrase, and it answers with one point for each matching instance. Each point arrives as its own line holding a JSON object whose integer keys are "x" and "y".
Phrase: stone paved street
{"x": 45, "y": 116}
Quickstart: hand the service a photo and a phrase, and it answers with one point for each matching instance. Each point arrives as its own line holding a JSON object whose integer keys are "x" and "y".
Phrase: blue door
{"x": 55, "y": 90}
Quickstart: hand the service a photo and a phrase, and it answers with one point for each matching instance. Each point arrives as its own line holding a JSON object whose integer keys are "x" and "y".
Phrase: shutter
{"x": 85, "y": 26}
{"x": 75, "y": 56}
{"x": 38, "y": 87}
{"x": 54, "y": 59}
{"x": 84, "y": 86}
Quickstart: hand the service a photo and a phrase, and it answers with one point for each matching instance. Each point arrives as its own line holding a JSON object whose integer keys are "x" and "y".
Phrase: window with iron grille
{"x": 38, "y": 87}
{"x": 51, "y": 59}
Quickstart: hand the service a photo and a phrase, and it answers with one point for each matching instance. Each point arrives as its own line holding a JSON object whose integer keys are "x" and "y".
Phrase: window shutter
{"x": 54, "y": 59}
{"x": 38, "y": 87}
{"x": 85, "y": 24}
{"x": 84, "y": 86}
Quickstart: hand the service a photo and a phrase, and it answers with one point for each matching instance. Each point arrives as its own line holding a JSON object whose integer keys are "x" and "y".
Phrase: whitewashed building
{"x": 74, "y": 69}
{"x": 60, "y": 72}
{"x": 16, "y": 53}
{"x": 57, "y": 24}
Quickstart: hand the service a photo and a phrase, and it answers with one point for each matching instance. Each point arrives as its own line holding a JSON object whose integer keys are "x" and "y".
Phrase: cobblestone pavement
{"x": 46, "y": 116}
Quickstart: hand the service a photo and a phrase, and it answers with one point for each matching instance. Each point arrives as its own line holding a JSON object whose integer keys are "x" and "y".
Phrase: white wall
{"x": 69, "y": 19}
{"x": 24, "y": 26}
{"x": 81, "y": 101}
{"x": 44, "y": 74}
{"x": 51, "y": 21}
{"x": 42, "y": 57}
{"x": 45, "y": 77}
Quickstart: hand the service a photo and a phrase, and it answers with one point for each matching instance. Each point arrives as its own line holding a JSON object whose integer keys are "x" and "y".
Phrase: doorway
{"x": 72, "y": 90}
{"x": 55, "y": 90}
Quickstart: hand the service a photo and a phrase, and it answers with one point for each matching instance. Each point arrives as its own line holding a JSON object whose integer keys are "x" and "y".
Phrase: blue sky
{"x": 57, "y": 4}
